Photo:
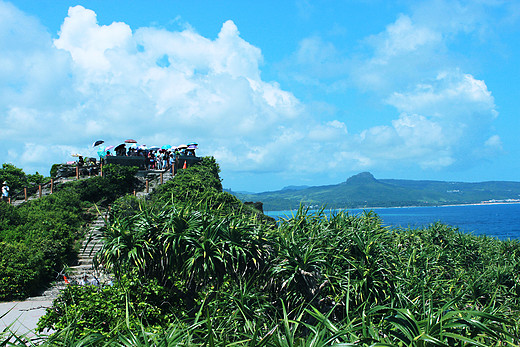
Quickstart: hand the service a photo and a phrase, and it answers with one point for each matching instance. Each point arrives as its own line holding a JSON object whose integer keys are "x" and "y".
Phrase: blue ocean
{"x": 496, "y": 220}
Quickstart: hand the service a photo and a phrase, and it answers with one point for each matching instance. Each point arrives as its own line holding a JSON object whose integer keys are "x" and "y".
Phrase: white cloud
{"x": 114, "y": 82}
{"x": 150, "y": 84}
{"x": 450, "y": 93}
{"x": 402, "y": 37}
{"x": 88, "y": 43}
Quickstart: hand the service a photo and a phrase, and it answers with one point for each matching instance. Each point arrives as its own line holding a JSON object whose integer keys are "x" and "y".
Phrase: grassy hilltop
{"x": 194, "y": 266}
{"x": 364, "y": 190}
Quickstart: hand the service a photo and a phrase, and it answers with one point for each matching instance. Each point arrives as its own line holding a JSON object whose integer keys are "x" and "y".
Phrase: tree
{"x": 15, "y": 177}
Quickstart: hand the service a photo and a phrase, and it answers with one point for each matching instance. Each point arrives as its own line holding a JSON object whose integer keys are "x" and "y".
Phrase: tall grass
{"x": 310, "y": 280}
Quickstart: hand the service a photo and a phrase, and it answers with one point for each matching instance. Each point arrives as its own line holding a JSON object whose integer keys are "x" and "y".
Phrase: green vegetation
{"x": 364, "y": 190}
{"x": 38, "y": 238}
{"x": 195, "y": 267}
{"x": 17, "y": 179}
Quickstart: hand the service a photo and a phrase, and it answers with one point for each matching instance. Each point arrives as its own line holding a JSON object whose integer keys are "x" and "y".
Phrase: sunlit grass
{"x": 312, "y": 280}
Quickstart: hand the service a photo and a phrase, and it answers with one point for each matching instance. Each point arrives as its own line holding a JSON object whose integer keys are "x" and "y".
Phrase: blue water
{"x": 497, "y": 220}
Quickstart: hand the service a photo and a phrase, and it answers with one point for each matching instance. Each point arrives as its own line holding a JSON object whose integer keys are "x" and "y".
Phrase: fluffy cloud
{"x": 152, "y": 84}
{"x": 443, "y": 116}
{"x": 112, "y": 82}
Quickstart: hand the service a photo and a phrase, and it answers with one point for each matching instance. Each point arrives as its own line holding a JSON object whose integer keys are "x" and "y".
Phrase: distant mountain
{"x": 295, "y": 187}
{"x": 364, "y": 190}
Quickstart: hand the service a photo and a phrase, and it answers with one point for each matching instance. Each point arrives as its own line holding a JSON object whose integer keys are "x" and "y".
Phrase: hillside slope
{"x": 364, "y": 190}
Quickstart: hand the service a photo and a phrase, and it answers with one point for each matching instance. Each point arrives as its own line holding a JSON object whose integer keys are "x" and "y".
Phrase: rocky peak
{"x": 362, "y": 178}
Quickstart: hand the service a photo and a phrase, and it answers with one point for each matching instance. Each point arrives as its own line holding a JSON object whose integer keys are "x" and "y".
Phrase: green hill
{"x": 364, "y": 190}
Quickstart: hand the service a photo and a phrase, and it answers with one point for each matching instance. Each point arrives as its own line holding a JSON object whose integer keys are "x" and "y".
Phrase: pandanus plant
{"x": 184, "y": 243}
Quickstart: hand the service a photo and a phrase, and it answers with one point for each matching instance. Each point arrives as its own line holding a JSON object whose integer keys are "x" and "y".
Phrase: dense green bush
{"x": 117, "y": 180}
{"x": 312, "y": 277}
{"x": 244, "y": 277}
{"x": 200, "y": 184}
{"x": 106, "y": 310}
{"x": 15, "y": 177}
{"x": 40, "y": 236}
{"x": 191, "y": 183}
{"x": 38, "y": 240}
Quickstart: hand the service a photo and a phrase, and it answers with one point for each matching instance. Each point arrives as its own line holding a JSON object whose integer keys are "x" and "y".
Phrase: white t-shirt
{"x": 5, "y": 191}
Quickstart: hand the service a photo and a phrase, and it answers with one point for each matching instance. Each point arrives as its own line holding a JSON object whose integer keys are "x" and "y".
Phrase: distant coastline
{"x": 362, "y": 190}
{"x": 482, "y": 203}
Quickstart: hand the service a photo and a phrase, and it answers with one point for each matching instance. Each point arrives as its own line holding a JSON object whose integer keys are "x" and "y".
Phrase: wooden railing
{"x": 31, "y": 190}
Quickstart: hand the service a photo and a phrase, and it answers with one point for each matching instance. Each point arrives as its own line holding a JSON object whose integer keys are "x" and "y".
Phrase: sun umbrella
{"x": 193, "y": 144}
{"x": 102, "y": 153}
{"x": 166, "y": 147}
{"x": 76, "y": 155}
{"x": 142, "y": 147}
{"x": 153, "y": 148}
{"x": 97, "y": 143}
{"x": 182, "y": 147}
{"x": 130, "y": 141}
{"x": 120, "y": 146}
{"x": 133, "y": 145}
{"x": 109, "y": 148}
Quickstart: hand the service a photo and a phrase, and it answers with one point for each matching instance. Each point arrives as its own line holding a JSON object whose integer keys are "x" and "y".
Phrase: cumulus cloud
{"x": 111, "y": 81}
{"x": 443, "y": 115}
{"x": 158, "y": 86}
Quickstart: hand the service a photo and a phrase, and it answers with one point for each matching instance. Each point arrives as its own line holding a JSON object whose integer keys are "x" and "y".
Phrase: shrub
{"x": 15, "y": 177}
{"x": 89, "y": 309}
{"x": 39, "y": 237}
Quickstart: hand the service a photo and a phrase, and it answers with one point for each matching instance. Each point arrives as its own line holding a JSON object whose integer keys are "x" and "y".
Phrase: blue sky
{"x": 281, "y": 93}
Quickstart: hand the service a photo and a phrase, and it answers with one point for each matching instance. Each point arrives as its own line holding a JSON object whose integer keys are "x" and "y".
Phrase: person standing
{"x": 5, "y": 192}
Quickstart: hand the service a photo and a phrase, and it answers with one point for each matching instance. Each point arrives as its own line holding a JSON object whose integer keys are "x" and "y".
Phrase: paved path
{"x": 22, "y": 317}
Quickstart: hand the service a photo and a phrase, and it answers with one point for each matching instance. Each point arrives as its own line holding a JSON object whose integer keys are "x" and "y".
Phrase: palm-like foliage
{"x": 313, "y": 279}
{"x": 343, "y": 267}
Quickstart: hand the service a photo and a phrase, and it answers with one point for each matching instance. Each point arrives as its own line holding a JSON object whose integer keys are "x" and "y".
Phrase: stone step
{"x": 89, "y": 251}
{"x": 92, "y": 233}
{"x": 80, "y": 268}
{"x": 85, "y": 261}
{"x": 84, "y": 256}
{"x": 89, "y": 247}
{"x": 93, "y": 238}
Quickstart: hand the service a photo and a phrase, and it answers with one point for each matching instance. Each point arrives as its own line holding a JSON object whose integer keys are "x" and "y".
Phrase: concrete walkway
{"x": 21, "y": 317}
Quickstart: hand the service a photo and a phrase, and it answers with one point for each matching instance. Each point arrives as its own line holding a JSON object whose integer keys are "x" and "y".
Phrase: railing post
{"x": 161, "y": 178}
{"x": 52, "y": 185}
{"x": 40, "y": 190}
{"x": 135, "y": 194}
{"x": 147, "y": 186}
{"x": 101, "y": 169}
{"x": 9, "y": 200}
{"x": 25, "y": 193}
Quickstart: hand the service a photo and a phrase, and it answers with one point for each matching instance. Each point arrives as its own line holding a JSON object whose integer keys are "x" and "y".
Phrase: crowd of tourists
{"x": 157, "y": 158}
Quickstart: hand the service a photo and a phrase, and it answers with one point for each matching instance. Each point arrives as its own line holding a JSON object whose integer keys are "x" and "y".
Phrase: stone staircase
{"x": 84, "y": 272}
{"x": 22, "y": 317}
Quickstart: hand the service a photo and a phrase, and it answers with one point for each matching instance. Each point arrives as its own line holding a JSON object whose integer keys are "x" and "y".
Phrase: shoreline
{"x": 483, "y": 203}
